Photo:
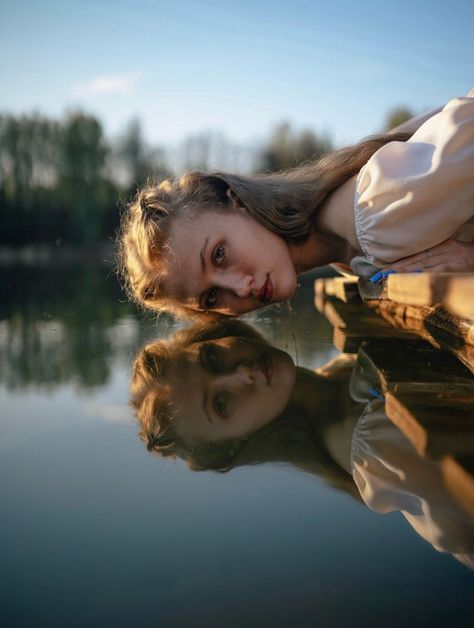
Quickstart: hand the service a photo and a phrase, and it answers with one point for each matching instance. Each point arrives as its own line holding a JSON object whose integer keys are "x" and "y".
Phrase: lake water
{"x": 97, "y": 531}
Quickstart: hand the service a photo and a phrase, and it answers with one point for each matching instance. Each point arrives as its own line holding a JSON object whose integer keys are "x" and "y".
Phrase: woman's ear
{"x": 234, "y": 199}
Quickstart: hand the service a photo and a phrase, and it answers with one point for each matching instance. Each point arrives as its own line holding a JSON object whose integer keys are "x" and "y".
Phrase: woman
{"x": 219, "y": 396}
{"x": 230, "y": 244}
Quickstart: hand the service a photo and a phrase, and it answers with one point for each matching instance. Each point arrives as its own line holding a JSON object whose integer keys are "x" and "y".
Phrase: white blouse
{"x": 413, "y": 195}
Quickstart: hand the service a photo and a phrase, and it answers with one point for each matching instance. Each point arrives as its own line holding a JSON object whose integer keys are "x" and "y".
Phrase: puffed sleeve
{"x": 413, "y": 195}
{"x": 392, "y": 476}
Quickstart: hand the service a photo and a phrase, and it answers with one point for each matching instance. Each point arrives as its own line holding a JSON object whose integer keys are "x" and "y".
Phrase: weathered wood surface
{"x": 353, "y": 321}
{"x": 434, "y": 324}
{"x": 453, "y": 291}
{"x": 343, "y": 288}
{"x": 459, "y": 296}
{"x": 415, "y": 365}
{"x": 438, "y": 423}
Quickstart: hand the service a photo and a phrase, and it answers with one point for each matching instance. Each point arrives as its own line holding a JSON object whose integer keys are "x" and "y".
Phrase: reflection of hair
{"x": 290, "y": 438}
{"x": 284, "y": 203}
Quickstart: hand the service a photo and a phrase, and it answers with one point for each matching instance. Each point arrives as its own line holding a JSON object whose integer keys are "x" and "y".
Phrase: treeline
{"x": 57, "y": 183}
{"x": 77, "y": 334}
{"x": 63, "y": 183}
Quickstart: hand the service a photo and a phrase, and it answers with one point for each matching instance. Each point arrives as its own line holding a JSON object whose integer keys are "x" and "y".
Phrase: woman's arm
{"x": 449, "y": 256}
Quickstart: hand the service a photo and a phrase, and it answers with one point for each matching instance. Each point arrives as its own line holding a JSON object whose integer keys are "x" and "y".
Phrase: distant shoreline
{"x": 44, "y": 255}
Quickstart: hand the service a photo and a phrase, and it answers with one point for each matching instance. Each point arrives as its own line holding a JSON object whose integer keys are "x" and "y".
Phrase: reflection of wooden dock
{"x": 414, "y": 334}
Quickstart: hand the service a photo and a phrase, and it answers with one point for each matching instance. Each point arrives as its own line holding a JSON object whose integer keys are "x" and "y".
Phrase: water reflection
{"x": 220, "y": 397}
{"x": 61, "y": 324}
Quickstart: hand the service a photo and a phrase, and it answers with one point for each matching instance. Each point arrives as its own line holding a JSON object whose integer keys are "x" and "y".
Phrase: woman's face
{"x": 228, "y": 388}
{"x": 226, "y": 262}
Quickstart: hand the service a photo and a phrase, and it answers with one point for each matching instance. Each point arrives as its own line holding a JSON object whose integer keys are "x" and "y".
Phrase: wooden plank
{"x": 434, "y": 324}
{"x": 437, "y": 423}
{"x": 343, "y": 288}
{"x": 354, "y": 316}
{"x": 453, "y": 290}
{"x": 413, "y": 363}
{"x": 320, "y": 294}
{"x": 356, "y": 322}
{"x": 417, "y": 288}
{"x": 440, "y": 426}
{"x": 349, "y": 339}
{"x": 459, "y": 296}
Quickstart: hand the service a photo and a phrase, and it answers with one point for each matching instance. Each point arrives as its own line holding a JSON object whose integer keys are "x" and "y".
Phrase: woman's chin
{"x": 284, "y": 368}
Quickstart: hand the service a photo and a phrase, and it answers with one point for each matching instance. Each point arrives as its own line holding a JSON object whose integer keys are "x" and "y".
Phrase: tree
{"x": 397, "y": 116}
{"x": 80, "y": 174}
{"x": 287, "y": 149}
{"x": 137, "y": 161}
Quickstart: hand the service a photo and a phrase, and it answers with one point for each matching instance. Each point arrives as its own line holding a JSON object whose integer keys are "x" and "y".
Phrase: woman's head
{"x": 191, "y": 245}
{"x": 209, "y": 388}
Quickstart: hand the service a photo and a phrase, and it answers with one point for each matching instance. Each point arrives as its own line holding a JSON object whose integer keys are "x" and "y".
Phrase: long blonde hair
{"x": 286, "y": 203}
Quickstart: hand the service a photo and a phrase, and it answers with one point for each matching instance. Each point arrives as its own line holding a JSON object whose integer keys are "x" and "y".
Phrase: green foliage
{"x": 66, "y": 323}
{"x": 57, "y": 179}
{"x": 397, "y": 116}
{"x": 286, "y": 148}
{"x": 138, "y": 161}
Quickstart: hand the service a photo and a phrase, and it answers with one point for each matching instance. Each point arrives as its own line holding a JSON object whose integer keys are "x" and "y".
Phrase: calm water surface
{"x": 97, "y": 531}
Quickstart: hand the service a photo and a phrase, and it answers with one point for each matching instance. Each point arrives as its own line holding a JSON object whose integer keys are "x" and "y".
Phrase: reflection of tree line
{"x": 61, "y": 181}
{"x": 60, "y": 325}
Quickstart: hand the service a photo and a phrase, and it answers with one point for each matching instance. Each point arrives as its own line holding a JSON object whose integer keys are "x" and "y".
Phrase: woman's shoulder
{"x": 415, "y": 194}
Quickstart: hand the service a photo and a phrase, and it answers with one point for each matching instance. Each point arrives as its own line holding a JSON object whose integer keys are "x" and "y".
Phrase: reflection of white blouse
{"x": 413, "y": 195}
{"x": 391, "y": 475}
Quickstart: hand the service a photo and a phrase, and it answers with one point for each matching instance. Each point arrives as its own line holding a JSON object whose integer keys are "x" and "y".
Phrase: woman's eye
{"x": 220, "y": 403}
{"x": 219, "y": 255}
{"x": 211, "y": 298}
{"x": 212, "y": 358}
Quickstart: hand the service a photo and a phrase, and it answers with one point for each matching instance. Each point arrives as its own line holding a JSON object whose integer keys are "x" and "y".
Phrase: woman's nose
{"x": 238, "y": 283}
{"x": 243, "y": 375}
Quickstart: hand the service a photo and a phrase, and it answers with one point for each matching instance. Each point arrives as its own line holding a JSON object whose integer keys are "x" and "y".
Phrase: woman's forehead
{"x": 181, "y": 277}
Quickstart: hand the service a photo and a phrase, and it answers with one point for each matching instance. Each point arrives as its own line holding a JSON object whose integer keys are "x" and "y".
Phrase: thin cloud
{"x": 112, "y": 84}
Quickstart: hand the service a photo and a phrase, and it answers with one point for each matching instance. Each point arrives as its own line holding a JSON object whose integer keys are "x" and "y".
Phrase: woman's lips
{"x": 265, "y": 293}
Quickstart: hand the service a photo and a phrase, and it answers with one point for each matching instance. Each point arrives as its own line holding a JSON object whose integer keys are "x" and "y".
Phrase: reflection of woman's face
{"x": 228, "y": 388}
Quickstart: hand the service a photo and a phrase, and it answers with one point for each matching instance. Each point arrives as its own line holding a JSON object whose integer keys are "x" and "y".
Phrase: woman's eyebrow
{"x": 204, "y": 407}
{"x": 203, "y": 254}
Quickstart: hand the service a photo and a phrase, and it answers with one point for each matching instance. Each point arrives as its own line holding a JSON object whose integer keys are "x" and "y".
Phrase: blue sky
{"x": 237, "y": 67}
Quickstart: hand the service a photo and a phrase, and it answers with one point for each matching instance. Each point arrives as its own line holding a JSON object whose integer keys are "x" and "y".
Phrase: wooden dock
{"x": 414, "y": 334}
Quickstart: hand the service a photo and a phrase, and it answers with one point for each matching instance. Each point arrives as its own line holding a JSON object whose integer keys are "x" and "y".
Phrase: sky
{"x": 238, "y": 67}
